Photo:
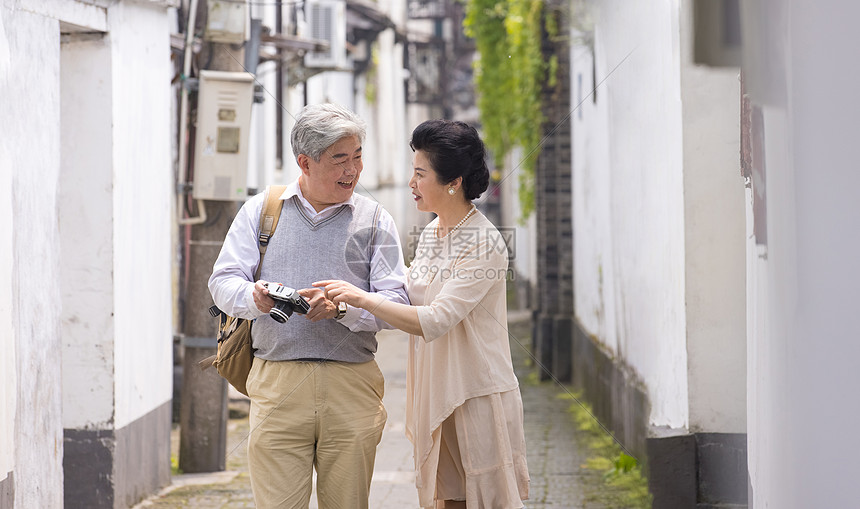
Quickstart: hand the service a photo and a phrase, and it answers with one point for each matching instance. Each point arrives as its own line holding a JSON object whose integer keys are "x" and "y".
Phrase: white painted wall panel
{"x": 594, "y": 270}
{"x": 643, "y": 259}
{"x": 804, "y": 342}
{"x": 334, "y": 87}
{"x": 143, "y": 208}
{"x": 524, "y": 233}
{"x": 85, "y": 212}
{"x": 714, "y": 243}
{"x": 8, "y": 362}
{"x": 30, "y": 135}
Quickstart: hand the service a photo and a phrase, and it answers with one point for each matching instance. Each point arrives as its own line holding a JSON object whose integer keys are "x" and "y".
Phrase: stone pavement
{"x": 554, "y": 457}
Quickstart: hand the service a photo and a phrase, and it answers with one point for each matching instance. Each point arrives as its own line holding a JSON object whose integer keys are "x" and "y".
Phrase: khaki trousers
{"x": 326, "y": 416}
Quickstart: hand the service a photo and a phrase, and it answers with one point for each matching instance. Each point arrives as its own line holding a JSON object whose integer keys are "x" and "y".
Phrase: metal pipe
{"x": 183, "y": 124}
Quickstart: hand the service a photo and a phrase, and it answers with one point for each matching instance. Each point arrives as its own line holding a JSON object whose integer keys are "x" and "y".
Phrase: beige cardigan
{"x": 465, "y": 351}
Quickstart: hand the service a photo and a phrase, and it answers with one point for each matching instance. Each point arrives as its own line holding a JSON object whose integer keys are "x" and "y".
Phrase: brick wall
{"x": 554, "y": 315}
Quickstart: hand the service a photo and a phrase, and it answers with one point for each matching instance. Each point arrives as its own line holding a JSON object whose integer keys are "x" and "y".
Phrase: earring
{"x": 451, "y": 191}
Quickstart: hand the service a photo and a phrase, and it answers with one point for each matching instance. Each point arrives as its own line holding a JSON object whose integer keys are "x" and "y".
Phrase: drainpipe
{"x": 183, "y": 125}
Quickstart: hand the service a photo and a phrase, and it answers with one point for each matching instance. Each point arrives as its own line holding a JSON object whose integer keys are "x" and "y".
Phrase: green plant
{"x": 372, "y": 75}
{"x": 174, "y": 465}
{"x": 509, "y": 74}
{"x": 624, "y": 485}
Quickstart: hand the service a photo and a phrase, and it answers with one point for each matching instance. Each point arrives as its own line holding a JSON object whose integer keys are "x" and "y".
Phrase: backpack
{"x": 235, "y": 353}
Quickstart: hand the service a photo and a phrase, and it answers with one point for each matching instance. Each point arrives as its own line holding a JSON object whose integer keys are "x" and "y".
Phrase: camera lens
{"x": 281, "y": 312}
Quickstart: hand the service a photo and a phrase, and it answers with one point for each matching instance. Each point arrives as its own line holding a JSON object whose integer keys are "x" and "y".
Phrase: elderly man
{"x": 315, "y": 389}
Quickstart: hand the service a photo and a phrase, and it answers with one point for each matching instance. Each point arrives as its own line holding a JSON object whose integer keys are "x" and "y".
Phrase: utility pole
{"x": 203, "y": 404}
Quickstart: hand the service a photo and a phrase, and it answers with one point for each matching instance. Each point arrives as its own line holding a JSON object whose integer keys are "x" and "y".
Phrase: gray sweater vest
{"x": 301, "y": 252}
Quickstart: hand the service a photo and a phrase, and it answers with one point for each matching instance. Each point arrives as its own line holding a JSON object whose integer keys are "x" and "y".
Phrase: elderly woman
{"x": 464, "y": 411}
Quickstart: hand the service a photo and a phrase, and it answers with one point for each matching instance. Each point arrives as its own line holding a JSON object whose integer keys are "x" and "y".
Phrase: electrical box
{"x": 221, "y": 144}
{"x": 226, "y": 21}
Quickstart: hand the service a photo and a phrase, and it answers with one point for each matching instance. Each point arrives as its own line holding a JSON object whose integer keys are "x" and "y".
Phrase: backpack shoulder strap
{"x": 272, "y": 205}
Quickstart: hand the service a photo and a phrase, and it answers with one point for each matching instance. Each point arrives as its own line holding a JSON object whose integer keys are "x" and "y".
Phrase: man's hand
{"x": 341, "y": 291}
{"x": 321, "y": 307}
{"x": 261, "y": 297}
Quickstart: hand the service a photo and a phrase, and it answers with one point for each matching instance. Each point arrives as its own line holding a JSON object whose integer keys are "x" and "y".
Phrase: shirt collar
{"x": 293, "y": 189}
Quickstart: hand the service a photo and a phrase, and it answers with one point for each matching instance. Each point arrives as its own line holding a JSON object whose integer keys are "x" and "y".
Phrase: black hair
{"x": 454, "y": 149}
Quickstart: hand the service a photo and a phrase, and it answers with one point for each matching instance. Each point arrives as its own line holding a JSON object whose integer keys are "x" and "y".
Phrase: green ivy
{"x": 372, "y": 78}
{"x": 509, "y": 74}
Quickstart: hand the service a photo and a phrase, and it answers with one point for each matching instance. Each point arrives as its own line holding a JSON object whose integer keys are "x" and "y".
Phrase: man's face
{"x": 333, "y": 179}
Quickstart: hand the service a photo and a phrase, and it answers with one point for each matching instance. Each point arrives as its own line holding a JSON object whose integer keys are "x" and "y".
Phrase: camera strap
{"x": 269, "y": 215}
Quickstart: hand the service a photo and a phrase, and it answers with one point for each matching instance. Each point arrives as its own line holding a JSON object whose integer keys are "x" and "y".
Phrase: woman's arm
{"x": 402, "y": 316}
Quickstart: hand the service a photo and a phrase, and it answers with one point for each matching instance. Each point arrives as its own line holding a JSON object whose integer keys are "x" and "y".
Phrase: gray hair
{"x": 319, "y": 126}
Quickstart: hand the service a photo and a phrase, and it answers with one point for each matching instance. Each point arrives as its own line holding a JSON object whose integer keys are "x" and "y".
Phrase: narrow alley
{"x": 558, "y": 479}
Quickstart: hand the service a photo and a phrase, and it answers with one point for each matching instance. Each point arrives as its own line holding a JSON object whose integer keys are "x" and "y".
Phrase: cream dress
{"x": 462, "y": 368}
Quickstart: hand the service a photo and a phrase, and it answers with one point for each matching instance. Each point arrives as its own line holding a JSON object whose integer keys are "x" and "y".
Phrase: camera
{"x": 287, "y": 302}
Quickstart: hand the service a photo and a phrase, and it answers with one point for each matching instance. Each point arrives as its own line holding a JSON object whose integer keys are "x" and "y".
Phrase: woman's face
{"x": 430, "y": 195}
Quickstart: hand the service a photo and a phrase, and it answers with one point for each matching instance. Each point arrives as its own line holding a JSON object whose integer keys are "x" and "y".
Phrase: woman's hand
{"x": 321, "y": 307}
{"x": 341, "y": 291}
{"x": 402, "y": 316}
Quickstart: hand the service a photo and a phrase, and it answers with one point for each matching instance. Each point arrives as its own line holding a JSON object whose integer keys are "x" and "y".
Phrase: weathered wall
{"x": 85, "y": 162}
{"x": 628, "y": 196}
{"x": 30, "y": 298}
{"x": 86, "y": 233}
{"x": 8, "y": 362}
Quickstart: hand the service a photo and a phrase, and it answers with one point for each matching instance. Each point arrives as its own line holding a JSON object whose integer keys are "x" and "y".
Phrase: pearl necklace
{"x": 468, "y": 214}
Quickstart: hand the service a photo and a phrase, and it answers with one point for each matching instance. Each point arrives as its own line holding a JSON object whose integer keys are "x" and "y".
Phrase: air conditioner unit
{"x": 326, "y": 21}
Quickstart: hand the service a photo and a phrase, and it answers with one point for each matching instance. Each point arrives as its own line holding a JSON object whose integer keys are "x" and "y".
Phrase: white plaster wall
{"x": 524, "y": 259}
{"x": 84, "y": 14}
{"x": 392, "y": 138}
{"x": 644, "y": 256}
{"x": 142, "y": 207}
{"x": 262, "y": 155}
{"x": 85, "y": 210}
{"x": 802, "y": 371}
{"x": 772, "y": 457}
{"x": 372, "y": 159}
{"x": 262, "y": 158}
{"x": 715, "y": 243}
{"x": 294, "y": 103}
{"x": 8, "y": 362}
{"x": 593, "y": 268}
{"x": 388, "y": 165}
{"x": 332, "y": 86}
{"x": 756, "y": 296}
{"x": 765, "y": 397}
{"x": 29, "y": 144}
